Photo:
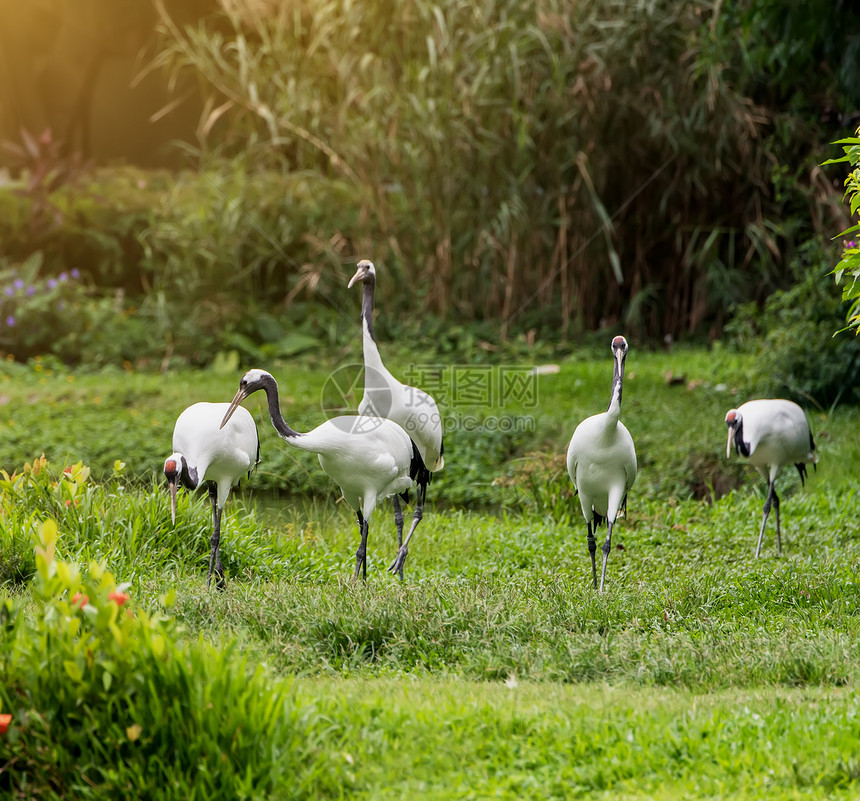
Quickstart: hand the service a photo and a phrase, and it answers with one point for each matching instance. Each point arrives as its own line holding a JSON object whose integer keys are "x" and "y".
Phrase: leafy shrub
{"x": 102, "y": 699}
{"x": 848, "y": 269}
{"x": 67, "y": 317}
{"x": 797, "y": 354}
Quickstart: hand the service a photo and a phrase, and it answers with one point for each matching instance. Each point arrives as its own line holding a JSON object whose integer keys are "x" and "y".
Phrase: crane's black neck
{"x": 270, "y": 386}
{"x": 185, "y": 475}
{"x": 368, "y": 288}
{"x": 190, "y": 478}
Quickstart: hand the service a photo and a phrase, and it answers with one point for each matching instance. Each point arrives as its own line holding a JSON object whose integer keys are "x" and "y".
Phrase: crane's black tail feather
{"x": 418, "y": 472}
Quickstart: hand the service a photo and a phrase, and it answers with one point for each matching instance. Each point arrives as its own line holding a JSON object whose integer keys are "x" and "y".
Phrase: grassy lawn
{"x": 494, "y": 670}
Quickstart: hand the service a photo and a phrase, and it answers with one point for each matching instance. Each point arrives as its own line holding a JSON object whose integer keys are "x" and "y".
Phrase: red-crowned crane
{"x": 771, "y": 433}
{"x": 411, "y": 408}
{"x": 601, "y": 461}
{"x": 206, "y": 452}
{"x": 369, "y": 458}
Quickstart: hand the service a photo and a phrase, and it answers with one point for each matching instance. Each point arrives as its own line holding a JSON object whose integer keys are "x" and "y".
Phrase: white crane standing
{"x": 411, "y": 408}
{"x": 369, "y": 458}
{"x": 204, "y": 451}
{"x": 601, "y": 461}
{"x": 771, "y": 433}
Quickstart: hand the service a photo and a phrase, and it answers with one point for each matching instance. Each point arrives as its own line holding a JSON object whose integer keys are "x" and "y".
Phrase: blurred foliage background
{"x": 520, "y": 172}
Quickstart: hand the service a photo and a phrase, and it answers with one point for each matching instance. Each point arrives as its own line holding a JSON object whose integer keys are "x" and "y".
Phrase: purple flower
{"x": 9, "y": 291}
{"x": 76, "y": 273}
{"x": 18, "y": 283}
{"x": 10, "y": 321}
{"x": 64, "y": 276}
{"x": 31, "y": 290}
{"x": 52, "y": 283}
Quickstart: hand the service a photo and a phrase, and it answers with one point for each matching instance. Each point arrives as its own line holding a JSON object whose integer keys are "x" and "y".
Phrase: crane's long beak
{"x": 357, "y": 277}
{"x": 237, "y": 399}
{"x": 730, "y": 442}
{"x": 172, "y": 487}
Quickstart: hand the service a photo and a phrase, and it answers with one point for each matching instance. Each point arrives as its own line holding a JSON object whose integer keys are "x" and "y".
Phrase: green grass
{"x": 494, "y": 670}
{"x": 452, "y": 739}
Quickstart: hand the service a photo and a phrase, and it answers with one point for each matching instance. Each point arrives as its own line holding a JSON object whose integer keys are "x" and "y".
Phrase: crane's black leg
{"x": 607, "y": 547}
{"x": 361, "y": 553}
{"x": 215, "y": 565}
{"x": 778, "y": 534}
{"x": 397, "y": 565}
{"x": 767, "y": 504}
{"x": 398, "y": 520}
{"x": 592, "y": 549}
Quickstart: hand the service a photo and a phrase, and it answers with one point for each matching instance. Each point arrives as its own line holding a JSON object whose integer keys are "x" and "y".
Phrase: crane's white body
{"x": 369, "y": 458}
{"x": 771, "y": 433}
{"x": 203, "y": 451}
{"x": 601, "y": 462}
{"x": 221, "y": 455}
{"x": 776, "y": 433}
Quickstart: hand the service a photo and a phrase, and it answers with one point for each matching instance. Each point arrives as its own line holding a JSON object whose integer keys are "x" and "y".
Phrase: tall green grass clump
{"x": 98, "y": 700}
{"x": 125, "y": 522}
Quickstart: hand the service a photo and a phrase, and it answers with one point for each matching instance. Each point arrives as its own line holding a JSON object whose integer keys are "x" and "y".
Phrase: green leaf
{"x": 73, "y": 669}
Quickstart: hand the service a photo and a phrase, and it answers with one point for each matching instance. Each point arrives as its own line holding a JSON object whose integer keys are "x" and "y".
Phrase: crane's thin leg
{"x": 766, "y": 510}
{"x": 778, "y": 535}
{"x": 398, "y": 520}
{"x": 592, "y": 549}
{"x": 361, "y": 553}
{"x": 607, "y": 547}
{"x": 397, "y": 565}
{"x": 215, "y": 552}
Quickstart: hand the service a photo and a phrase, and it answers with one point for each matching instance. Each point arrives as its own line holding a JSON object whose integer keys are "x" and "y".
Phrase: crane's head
{"x": 619, "y": 345}
{"x": 619, "y": 351}
{"x": 733, "y": 421}
{"x": 252, "y": 381}
{"x": 364, "y": 271}
{"x": 173, "y": 467}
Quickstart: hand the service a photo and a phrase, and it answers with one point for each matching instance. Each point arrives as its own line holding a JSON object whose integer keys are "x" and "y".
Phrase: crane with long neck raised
{"x": 601, "y": 461}
{"x": 410, "y": 407}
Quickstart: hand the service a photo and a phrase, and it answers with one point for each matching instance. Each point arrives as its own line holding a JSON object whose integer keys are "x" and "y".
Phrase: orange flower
{"x": 119, "y": 597}
{"x": 84, "y": 600}
{"x": 5, "y": 720}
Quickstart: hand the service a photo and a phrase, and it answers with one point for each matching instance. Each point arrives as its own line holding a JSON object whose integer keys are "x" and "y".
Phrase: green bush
{"x": 104, "y": 702}
{"x": 848, "y": 269}
{"x": 797, "y": 354}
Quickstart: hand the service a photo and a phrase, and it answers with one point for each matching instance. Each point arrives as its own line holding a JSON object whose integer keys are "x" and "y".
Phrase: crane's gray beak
{"x": 730, "y": 442}
{"x": 620, "y": 356}
{"x": 359, "y": 274}
{"x": 172, "y": 487}
{"x": 238, "y": 398}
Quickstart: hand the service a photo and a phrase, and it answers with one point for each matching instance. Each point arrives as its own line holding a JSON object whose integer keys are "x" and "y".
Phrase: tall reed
{"x": 541, "y": 164}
